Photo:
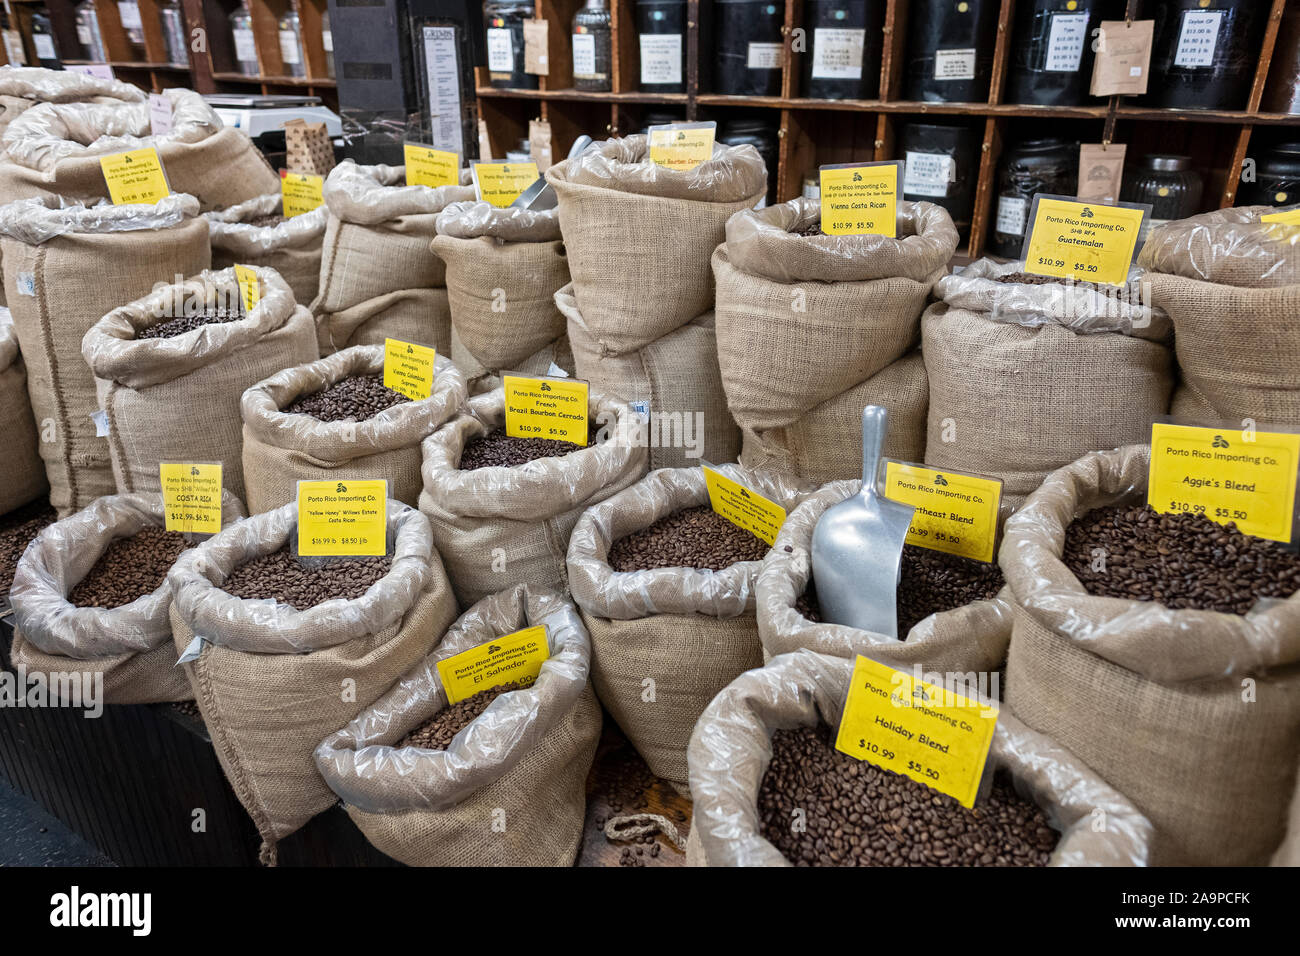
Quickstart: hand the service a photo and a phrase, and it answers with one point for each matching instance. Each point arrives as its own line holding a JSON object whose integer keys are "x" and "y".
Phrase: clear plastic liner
{"x": 630, "y": 595}
{"x": 368, "y": 195}
{"x": 1228, "y": 247}
{"x": 8, "y": 347}
{"x": 766, "y": 242}
{"x": 231, "y": 232}
{"x": 403, "y": 425}
{"x": 1082, "y": 307}
{"x": 1163, "y": 645}
{"x": 471, "y": 220}
{"x": 731, "y": 748}
{"x": 265, "y": 626}
{"x": 364, "y": 767}
{"x": 64, "y": 86}
{"x": 64, "y": 553}
{"x": 38, "y": 220}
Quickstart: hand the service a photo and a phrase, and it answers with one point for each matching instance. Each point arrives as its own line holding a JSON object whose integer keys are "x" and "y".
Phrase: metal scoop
{"x": 541, "y": 194}
{"x": 857, "y": 546}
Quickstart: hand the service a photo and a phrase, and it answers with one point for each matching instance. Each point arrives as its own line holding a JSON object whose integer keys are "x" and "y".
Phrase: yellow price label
{"x": 933, "y": 734}
{"x": 682, "y": 146}
{"x": 860, "y": 199}
{"x": 301, "y": 193}
{"x": 744, "y": 507}
{"x": 343, "y": 519}
{"x": 426, "y": 166}
{"x": 408, "y": 368}
{"x": 502, "y": 660}
{"x": 250, "y": 286}
{"x": 191, "y": 496}
{"x": 134, "y": 177}
{"x": 1226, "y": 475}
{"x": 546, "y": 408}
{"x": 954, "y": 513}
{"x": 1290, "y": 217}
{"x": 1085, "y": 241}
{"x": 502, "y": 183}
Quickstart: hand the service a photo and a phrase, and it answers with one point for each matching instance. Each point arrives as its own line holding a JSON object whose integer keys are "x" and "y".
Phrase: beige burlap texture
{"x": 498, "y": 526}
{"x": 732, "y": 746}
{"x": 378, "y": 277}
{"x": 65, "y": 268}
{"x": 1027, "y": 378}
{"x": 281, "y": 449}
{"x": 292, "y": 248}
{"x": 1288, "y": 853}
{"x": 22, "y": 87}
{"x": 22, "y": 475}
{"x": 1193, "y": 715}
{"x": 510, "y": 789}
{"x": 688, "y": 631}
{"x": 177, "y": 398}
{"x": 128, "y": 648}
{"x": 676, "y": 376}
{"x": 813, "y": 328}
{"x": 1231, "y": 286}
{"x": 272, "y": 682}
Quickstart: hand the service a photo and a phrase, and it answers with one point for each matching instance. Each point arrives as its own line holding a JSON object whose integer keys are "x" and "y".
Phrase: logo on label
{"x": 1219, "y": 442}
{"x": 545, "y": 387}
{"x": 1087, "y": 213}
{"x": 940, "y": 480}
{"x": 193, "y": 470}
{"x": 342, "y": 488}
{"x": 494, "y": 649}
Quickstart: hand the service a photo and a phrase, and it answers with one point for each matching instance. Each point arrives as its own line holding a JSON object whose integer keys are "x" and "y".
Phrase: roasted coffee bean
{"x": 129, "y": 569}
{"x": 497, "y": 450}
{"x": 188, "y": 709}
{"x": 267, "y": 221}
{"x": 690, "y": 538}
{"x": 17, "y": 529}
{"x": 1179, "y": 560}
{"x": 356, "y": 398}
{"x": 857, "y": 814}
{"x": 1025, "y": 278}
{"x": 280, "y": 575}
{"x": 188, "y": 323}
{"x": 815, "y": 229}
{"x": 437, "y": 732}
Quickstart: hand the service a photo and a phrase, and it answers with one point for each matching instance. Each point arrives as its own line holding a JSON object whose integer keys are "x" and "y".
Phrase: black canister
{"x": 504, "y": 21}
{"x": 661, "y": 29}
{"x": 1282, "y": 94}
{"x": 1276, "y": 178}
{"x": 1168, "y": 183}
{"x": 749, "y": 51}
{"x": 1049, "y": 166}
{"x": 1205, "y": 53}
{"x": 942, "y": 166}
{"x": 950, "y": 50}
{"x": 760, "y": 134}
{"x": 844, "y": 40}
{"x": 1051, "y": 53}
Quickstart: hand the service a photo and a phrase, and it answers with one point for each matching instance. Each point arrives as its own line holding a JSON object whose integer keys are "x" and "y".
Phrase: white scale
{"x": 258, "y": 114}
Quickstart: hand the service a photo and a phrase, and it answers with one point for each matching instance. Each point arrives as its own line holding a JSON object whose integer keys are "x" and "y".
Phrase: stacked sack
{"x": 812, "y": 328}
{"x": 378, "y": 278}
{"x": 504, "y": 267}
{"x": 640, "y": 309}
{"x": 22, "y": 475}
{"x": 176, "y": 398}
{"x": 1026, "y": 377}
{"x": 247, "y": 233}
{"x": 22, "y": 87}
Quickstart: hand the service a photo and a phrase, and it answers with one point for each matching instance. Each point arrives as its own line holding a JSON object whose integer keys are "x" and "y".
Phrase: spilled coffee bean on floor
{"x": 188, "y": 323}
{"x": 1179, "y": 560}
{"x": 129, "y": 569}
{"x": 280, "y": 575}
{"x": 498, "y": 450}
{"x": 858, "y": 814}
{"x": 17, "y": 530}
{"x": 437, "y": 732}
{"x": 356, "y": 398}
{"x": 691, "y": 538}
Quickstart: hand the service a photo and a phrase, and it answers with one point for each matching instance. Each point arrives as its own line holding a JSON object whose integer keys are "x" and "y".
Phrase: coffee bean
{"x": 188, "y": 323}
{"x": 815, "y": 229}
{"x": 691, "y": 538}
{"x": 356, "y": 398}
{"x": 498, "y": 450}
{"x": 267, "y": 221}
{"x": 129, "y": 569}
{"x": 437, "y": 732}
{"x": 280, "y": 575}
{"x": 17, "y": 530}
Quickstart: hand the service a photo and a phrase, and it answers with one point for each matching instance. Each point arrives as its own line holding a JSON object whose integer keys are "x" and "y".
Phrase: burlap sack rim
{"x": 1201, "y": 247}
{"x": 62, "y": 86}
{"x": 369, "y": 195}
{"x": 474, "y": 219}
{"x": 230, "y": 232}
{"x": 39, "y": 219}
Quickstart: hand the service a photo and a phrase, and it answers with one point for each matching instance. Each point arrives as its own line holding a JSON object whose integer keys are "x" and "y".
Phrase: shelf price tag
{"x": 408, "y": 368}
{"x": 301, "y": 192}
{"x": 1226, "y": 475}
{"x": 135, "y": 176}
{"x": 160, "y": 114}
{"x": 682, "y": 146}
{"x": 861, "y": 198}
{"x": 343, "y": 519}
{"x": 426, "y": 166}
{"x": 546, "y": 408}
{"x": 502, "y": 660}
{"x": 1290, "y": 217}
{"x": 744, "y": 507}
{"x": 932, "y": 734}
{"x": 250, "y": 286}
{"x": 1084, "y": 241}
{"x": 954, "y": 513}
{"x": 501, "y": 182}
{"x": 191, "y": 496}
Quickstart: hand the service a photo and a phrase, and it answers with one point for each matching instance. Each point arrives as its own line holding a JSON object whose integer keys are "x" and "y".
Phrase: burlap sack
{"x": 177, "y": 398}
{"x": 510, "y": 790}
{"x": 676, "y": 376}
{"x": 272, "y": 682}
{"x": 129, "y": 648}
{"x": 688, "y": 630}
{"x": 504, "y": 267}
{"x": 22, "y": 87}
{"x": 1026, "y": 378}
{"x": 495, "y": 527}
{"x": 378, "y": 277}
{"x": 291, "y": 248}
{"x": 1193, "y": 715}
{"x": 65, "y": 268}
{"x": 732, "y": 746}
{"x": 810, "y": 327}
{"x": 639, "y": 235}
{"x": 1231, "y": 285}
{"x": 55, "y": 150}
{"x": 281, "y": 449}
{"x": 22, "y": 476}
{"x": 1288, "y": 854}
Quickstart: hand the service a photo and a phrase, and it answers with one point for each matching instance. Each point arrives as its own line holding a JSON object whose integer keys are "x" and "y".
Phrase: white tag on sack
{"x": 642, "y": 409}
{"x": 27, "y": 283}
{"x": 100, "y": 418}
{"x": 556, "y": 372}
{"x": 6, "y": 317}
{"x": 192, "y": 651}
